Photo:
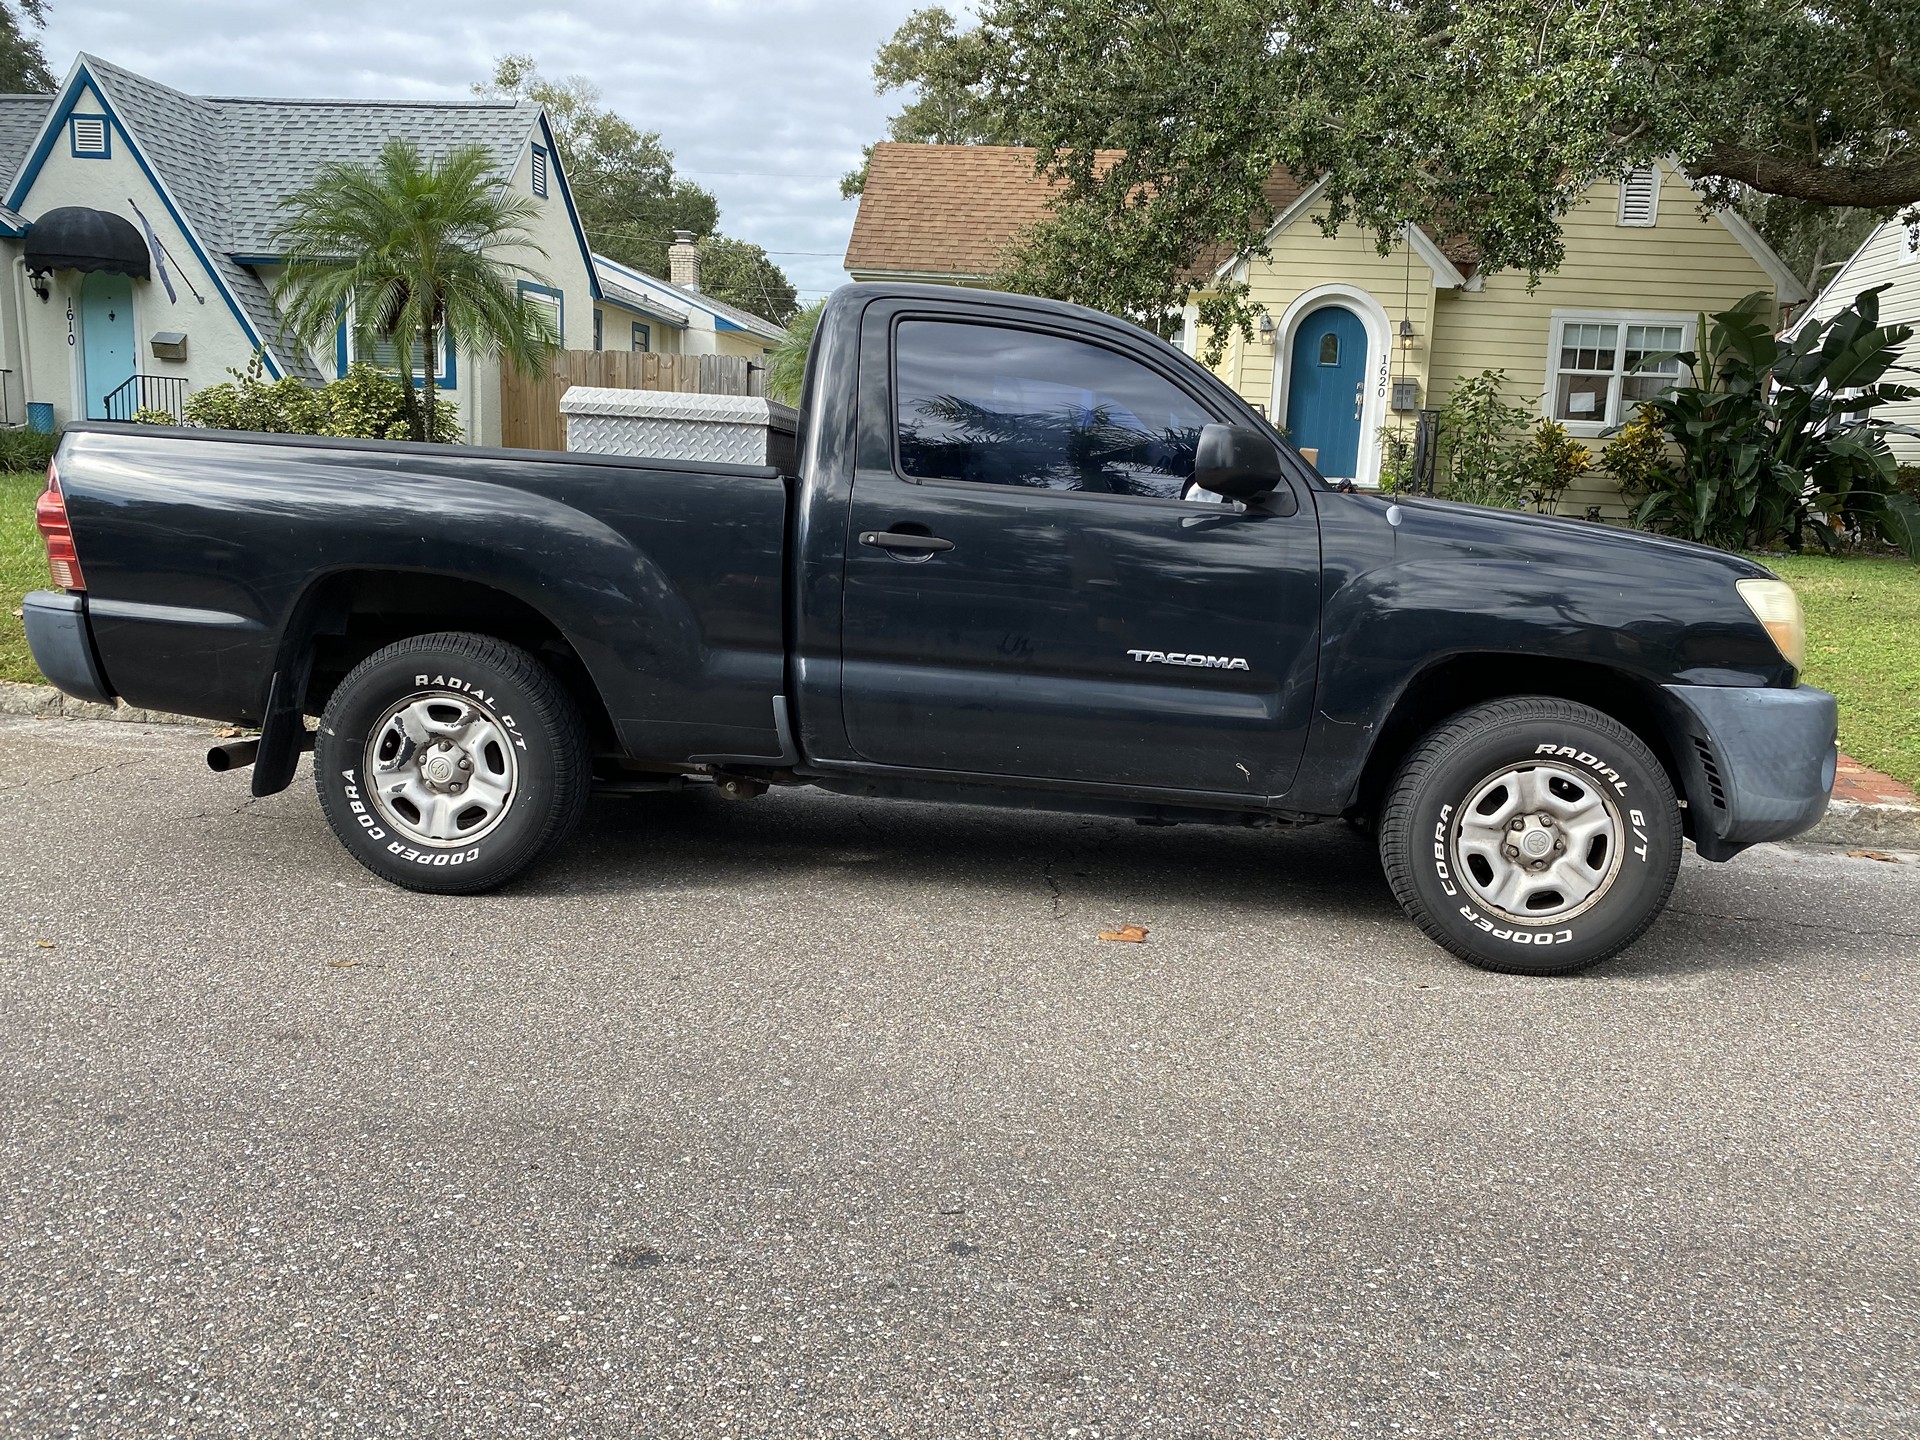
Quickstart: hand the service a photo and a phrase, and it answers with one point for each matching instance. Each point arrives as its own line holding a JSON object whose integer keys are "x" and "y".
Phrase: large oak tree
{"x": 1486, "y": 120}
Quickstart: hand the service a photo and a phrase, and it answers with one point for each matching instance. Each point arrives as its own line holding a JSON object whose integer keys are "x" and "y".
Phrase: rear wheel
{"x": 451, "y": 762}
{"x": 1533, "y": 836}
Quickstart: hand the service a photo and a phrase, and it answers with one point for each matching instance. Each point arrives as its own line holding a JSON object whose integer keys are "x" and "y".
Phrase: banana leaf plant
{"x": 1776, "y": 438}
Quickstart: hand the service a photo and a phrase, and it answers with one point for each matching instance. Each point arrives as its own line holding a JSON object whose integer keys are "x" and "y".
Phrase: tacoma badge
{"x": 1209, "y": 662}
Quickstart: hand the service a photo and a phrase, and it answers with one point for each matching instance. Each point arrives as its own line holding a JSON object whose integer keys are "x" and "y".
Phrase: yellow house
{"x": 1353, "y": 344}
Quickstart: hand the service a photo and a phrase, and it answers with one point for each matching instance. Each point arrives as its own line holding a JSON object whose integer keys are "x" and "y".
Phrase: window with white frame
{"x": 1603, "y": 368}
{"x": 1909, "y": 240}
{"x": 545, "y": 311}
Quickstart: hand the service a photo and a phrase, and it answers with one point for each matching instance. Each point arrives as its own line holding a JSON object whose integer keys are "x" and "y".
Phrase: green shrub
{"x": 1777, "y": 440}
{"x": 153, "y": 415}
{"x": 26, "y": 449}
{"x": 1554, "y": 460}
{"x": 1483, "y": 443}
{"x": 368, "y": 404}
{"x": 1396, "y": 460}
{"x": 365, "y": 403}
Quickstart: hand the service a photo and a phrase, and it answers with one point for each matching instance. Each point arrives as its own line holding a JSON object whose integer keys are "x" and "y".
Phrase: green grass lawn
{"x": 1863, "y": 644}
{"x": 23, "y": 567}
{"x": 1863, "y": 632}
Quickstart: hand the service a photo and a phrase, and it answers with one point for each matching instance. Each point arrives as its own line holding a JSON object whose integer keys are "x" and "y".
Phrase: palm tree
{"x": 407, "y": 252}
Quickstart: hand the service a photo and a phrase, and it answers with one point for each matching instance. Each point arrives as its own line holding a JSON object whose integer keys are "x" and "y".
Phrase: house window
{"x": 1330, "y": 349}
{"x": 1909, "y": 242}
{"x": 642, "y": 337}
{"x": 1605, "y": 368}
{"x": 384, "y": 354}
{"x": 599, "y": 329}
{"x": 546, "y": 310}
{"x": 540, "y": 171}
{"x": 89, "y": 136}
{"x": 1640, "y": 198}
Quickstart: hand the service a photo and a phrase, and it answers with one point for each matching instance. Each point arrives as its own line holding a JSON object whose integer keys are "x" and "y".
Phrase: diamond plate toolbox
{"x": 672, "y": 425}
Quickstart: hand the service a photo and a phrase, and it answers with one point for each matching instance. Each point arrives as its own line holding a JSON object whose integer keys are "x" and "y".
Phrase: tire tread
{"x": 1398, "y": 854}
{"x": 572, "y": 763}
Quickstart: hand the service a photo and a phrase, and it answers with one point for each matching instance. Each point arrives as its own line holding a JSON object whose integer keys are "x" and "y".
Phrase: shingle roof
{"x": 679, "y": 297}
{"x": 945, "y": 209}
{"x": 637, "y": 290}
{"x": 953, "y": 210}
{"x": 228, "y": 161}
{"x": 20, "y": 119}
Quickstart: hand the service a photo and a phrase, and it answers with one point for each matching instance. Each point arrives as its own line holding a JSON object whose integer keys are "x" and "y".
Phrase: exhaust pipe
{"x": 233, "y": 755}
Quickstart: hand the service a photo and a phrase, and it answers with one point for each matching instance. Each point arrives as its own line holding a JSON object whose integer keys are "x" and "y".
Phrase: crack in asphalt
{"x": 1797, "y": 924}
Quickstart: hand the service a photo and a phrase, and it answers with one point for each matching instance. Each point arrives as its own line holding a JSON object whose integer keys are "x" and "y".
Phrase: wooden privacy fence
{"x": 530, "y": 417}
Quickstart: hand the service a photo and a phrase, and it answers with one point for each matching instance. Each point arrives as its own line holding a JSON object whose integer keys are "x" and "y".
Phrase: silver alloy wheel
{"x": 1537, "y": 842}
{"x": 441, "y": 768}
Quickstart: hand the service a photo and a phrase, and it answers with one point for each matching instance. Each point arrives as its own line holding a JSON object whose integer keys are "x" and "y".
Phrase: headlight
{"x": 1775, "y": 606}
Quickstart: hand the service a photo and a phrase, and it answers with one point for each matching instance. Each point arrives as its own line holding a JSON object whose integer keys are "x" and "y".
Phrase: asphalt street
{"x": 813, "y": 1116}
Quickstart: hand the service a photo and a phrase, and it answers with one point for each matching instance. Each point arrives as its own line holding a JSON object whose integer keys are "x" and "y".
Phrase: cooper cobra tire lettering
{"x": 531, "y": 712}
{"x": 1421, "y": 826}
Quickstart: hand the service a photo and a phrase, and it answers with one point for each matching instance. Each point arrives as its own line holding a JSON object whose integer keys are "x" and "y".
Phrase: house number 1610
{"x": 69, "y": 320}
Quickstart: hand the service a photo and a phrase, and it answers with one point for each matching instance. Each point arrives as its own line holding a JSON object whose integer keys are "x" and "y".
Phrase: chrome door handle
{"x": 1359, "y": 391}
{"x": 900, "y": 540}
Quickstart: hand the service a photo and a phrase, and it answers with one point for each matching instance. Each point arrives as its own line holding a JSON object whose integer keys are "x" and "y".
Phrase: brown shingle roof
{"x": 954, "y": 209}
{"x": 945, "y": 209}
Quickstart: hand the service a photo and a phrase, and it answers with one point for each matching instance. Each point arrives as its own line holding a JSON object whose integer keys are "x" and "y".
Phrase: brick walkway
{"x": 1862, "y": 786}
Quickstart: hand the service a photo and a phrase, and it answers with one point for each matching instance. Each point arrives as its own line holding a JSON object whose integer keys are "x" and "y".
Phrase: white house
{"x": 1890, "y": 256}
{"x": 136, "y": 238}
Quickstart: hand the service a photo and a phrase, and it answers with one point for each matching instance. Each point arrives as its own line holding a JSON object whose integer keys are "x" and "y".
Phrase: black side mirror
{"x": 1236, "y": 461}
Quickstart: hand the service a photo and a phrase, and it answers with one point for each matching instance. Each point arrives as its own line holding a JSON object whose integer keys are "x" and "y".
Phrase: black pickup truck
{"x": 1030, "y": 556}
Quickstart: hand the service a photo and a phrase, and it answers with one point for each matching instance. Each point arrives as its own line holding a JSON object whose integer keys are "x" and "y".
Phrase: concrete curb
{"x": 46, "y": 703}
{"x": 1881, "y": 827}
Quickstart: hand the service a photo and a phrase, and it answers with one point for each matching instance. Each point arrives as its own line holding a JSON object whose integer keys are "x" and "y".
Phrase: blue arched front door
{"x": 1326, "y": 385}
{"x": 108, "y": 339}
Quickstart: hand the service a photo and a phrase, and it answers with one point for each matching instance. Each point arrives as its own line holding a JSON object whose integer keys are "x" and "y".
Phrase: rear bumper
{"x": 62, "y": 644}
{"x": 1758, "y": 764}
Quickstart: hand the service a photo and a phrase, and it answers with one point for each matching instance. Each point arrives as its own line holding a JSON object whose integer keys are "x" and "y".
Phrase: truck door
{"x": 1030, "y": 589}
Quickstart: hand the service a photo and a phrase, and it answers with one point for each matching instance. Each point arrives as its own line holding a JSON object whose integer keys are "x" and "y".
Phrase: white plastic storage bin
{"x": 672, "y": 425}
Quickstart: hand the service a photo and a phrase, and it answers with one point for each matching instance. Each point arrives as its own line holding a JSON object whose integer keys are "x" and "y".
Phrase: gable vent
{"x": 1640, "y": 197}
{"x": 89, "y": 135}
{"x": 539, "y": 172}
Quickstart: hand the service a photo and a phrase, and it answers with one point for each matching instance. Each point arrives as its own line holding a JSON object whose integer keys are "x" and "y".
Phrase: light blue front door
{"x": 1327, "y": 377}
{"x": 108, "y": 340}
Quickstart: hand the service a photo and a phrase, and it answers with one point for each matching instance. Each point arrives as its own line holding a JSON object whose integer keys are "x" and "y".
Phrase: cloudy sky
{"x": 764, "y": 102}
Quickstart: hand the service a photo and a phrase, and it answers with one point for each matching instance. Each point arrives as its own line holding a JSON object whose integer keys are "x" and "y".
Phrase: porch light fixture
{"x": 1265, "y": 328}
{"x": 1406, "y": 333}
{"x": 38, "y": 279}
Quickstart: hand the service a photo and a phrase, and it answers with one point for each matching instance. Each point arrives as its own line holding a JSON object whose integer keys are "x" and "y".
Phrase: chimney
{"x": 683, "y": 260}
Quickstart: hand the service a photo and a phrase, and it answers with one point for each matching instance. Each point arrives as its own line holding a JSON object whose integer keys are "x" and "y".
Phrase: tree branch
{"x": 1880, "y": 187}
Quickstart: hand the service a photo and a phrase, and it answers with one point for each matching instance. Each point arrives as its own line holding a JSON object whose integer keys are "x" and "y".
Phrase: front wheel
{"x": 450, "y": 762}
{"x": 1532, "y": 836}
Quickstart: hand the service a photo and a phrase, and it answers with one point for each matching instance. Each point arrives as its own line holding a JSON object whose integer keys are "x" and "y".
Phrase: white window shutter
{"x": 1640, "y": 197}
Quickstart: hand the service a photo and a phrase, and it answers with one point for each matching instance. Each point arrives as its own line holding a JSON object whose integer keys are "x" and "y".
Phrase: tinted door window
{"x": 1014, "y": 407}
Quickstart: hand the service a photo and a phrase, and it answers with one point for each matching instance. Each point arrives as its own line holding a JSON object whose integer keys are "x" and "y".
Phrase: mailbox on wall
{"x": 169, "y": 344}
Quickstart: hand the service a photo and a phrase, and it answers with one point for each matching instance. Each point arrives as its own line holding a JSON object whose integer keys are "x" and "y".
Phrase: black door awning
{"x": 76, "y": 238}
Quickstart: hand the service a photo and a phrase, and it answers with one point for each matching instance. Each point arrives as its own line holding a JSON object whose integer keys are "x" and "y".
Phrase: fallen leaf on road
{"x": 227, "y": 732}
{"x": 44, "y": 944}
{"x": 341, "y": 964}
{"x": 1132, "y": 934}
{"x": 1874, "y": 855}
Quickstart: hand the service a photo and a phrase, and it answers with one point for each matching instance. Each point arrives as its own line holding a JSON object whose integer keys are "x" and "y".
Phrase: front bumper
{"x": 62, "y": 644}
{"x": 1757, "y": 763}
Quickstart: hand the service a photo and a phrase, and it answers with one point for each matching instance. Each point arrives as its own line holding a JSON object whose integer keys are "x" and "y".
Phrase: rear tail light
{"x": 51, "y": 516}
